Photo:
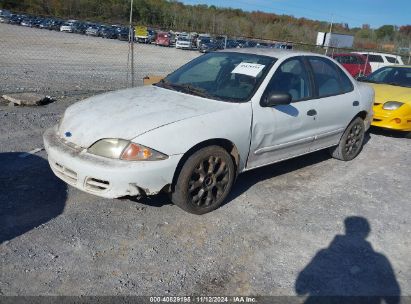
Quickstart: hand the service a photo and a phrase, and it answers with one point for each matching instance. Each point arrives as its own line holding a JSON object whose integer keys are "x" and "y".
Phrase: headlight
{"x": 125, "y": 150}
{"x": 392, "y": 105}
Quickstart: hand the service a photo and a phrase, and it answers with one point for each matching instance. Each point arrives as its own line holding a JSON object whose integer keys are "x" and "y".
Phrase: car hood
{"x": 386, "y": 92}
{"x": 129, "y": 113}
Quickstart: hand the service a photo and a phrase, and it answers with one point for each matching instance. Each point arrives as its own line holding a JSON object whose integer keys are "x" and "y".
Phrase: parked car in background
{"x": 45, "y": 24}
{"x": 67, "y": 27}
{"x": 80, "y": 28}
{"x": 93, "y": 31}
{"x": 355, "y": 64}
{"x": 183, "y": 42}
{"x": 15, "y": 19}
{"x": 219, "y": 115}
{"x": 232, "y": 44}
{"x": 109, "y": 33}
{"x": 27, "y": 23}
{"x": 144, "y": 34}
{"x": 392, "y": 106}
{"x": 379, "y": 60}
{"x": 208, "y": 45}
{"x": 163, "y": 39}
{"x": 124, "y": 34}
{"x": 55, "y": 25}
{"x": 4, "y": 19}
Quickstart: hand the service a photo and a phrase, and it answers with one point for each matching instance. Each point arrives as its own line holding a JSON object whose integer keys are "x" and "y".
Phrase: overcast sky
{"x": 353, "y": 12}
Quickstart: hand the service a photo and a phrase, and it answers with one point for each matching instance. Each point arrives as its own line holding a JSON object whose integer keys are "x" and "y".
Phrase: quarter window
{"x": 292, "y": 78}
{"x": 375, "y": 58}
{"x": 391, "y": 59}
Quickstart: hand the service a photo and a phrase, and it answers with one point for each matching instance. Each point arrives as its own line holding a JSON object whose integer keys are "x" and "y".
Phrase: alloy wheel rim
{"x": 208, "y": 181}
{"x": 353, "y": 141}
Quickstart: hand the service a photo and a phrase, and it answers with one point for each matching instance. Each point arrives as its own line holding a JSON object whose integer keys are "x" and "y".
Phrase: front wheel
{"x": 205, "y": 180}
{"x": 351, "y": 142}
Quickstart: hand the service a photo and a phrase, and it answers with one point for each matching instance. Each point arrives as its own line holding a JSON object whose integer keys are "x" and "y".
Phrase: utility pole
{"x": 331, "y": 29}
{"x": 409, "y": 53}
{"x": 131, "y": 40}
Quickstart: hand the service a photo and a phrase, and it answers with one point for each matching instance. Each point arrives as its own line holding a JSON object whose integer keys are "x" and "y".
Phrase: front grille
{"x": 95, "y": 184}
{"x": 66, "y": 174}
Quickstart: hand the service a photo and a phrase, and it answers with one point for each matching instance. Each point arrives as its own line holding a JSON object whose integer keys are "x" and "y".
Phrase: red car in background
{"x": 163, "y": 39}
{"x": 355, "y": 64}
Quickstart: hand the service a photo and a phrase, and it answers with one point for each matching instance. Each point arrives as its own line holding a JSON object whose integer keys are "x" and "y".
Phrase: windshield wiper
{"x": 187, "y": 88}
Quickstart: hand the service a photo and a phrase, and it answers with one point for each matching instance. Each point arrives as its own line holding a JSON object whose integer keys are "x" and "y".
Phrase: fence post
{"x": 131, "y": 40}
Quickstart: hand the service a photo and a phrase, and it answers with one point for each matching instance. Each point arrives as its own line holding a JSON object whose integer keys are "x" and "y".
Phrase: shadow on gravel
{"x": 349, "y": 271}
{"x": 390, "y": 133}
{"x": 30, "y": 194}
{"x": 247, "y": 179}
{"x": 159, "y": 200}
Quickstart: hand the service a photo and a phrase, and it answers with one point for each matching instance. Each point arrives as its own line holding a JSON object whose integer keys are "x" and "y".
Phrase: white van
{"x": 379, "y": 60}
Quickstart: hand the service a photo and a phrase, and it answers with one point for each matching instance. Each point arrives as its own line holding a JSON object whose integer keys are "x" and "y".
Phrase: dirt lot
{"x": 279, "y": 221}
{"x": 32, "y": 59}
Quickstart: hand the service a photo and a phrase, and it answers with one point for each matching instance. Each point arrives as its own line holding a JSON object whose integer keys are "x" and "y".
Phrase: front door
{"x": 284, "y": 131}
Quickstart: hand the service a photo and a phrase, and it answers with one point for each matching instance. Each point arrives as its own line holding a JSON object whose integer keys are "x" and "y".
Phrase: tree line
{"x": 174, "y": 15}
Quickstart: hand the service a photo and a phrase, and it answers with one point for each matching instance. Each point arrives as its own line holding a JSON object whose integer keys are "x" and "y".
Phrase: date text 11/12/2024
{"x": 203, "y": 299}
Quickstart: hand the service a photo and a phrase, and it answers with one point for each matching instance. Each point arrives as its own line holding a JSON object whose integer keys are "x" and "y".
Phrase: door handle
{"x": 312, "y": 112}
{"x": 356, "y": 103}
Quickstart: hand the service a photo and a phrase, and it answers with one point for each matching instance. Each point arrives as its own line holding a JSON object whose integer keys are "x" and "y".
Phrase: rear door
{"x": 336, "y": 101}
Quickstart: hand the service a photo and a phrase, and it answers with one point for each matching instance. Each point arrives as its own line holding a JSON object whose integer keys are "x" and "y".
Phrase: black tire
{"x": 351, "y": 142}
{"x": 205, "y": 180}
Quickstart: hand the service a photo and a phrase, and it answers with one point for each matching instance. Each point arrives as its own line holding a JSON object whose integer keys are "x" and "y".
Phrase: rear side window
{"x": 330, "y": 79}
{"x": 375, "y": 58}
{"x": 391, "y": 59}
{"x": 345, "y": 83}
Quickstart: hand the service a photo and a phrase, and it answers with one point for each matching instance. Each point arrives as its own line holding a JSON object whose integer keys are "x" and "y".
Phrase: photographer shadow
{"x": 30, "y": 194}
{"x": 349, "y": 271}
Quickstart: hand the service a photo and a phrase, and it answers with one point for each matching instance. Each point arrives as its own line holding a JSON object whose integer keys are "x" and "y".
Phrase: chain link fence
{"x": 33, "y": 59}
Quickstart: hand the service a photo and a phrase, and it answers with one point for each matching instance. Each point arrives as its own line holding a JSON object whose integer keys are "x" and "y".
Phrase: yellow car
{"x": 392, "y": 106}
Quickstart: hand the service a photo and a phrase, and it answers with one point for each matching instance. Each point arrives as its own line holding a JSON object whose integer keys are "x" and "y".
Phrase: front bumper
{"x": 399, "y": 119}
{"x": 109, "y": 178}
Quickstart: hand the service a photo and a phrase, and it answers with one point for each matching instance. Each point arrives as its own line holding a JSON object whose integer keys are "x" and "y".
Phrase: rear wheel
{"x": 204, "y": 181}
{"x": 351, "y": 142}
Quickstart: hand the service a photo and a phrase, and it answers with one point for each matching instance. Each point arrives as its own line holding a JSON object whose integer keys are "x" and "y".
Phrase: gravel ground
{"x": 32, "y": 59}
{"x": 280, "y": 233}
{"x": 57, "y": 240}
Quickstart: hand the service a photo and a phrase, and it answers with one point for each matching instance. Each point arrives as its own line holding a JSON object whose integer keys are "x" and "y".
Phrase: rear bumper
{"x": 109, "y": 178}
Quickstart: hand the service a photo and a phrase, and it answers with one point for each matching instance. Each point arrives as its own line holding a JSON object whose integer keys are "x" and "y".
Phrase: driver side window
{"x": 291, "y": 77}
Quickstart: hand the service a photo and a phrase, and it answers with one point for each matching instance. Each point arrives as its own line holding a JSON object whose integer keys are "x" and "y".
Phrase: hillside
{"x": 202, "y": 18}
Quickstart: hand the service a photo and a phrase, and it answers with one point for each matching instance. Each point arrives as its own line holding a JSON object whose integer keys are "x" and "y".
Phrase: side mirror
{"x": 275, "y": 99}
{"x": 361, "y": 78}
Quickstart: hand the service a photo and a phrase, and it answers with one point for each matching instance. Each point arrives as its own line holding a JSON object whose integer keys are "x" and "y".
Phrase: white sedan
{"x": 217, "y": 116}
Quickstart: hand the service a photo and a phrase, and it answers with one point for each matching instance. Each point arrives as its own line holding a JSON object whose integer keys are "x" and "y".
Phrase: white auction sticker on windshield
{"x": 250, "y": 69}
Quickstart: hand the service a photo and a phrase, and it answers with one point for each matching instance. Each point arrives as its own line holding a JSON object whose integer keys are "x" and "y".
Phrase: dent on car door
{"x": 283, "y": 131}
{"x": 337, "y": 102}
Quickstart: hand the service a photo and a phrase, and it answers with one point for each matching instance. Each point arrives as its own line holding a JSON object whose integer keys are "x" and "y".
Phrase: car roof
{"x": 347, "y": 54}
{"x": 376, "y": 53}
{"x": 275, "y": 53}
{"x": 399, "y": 66}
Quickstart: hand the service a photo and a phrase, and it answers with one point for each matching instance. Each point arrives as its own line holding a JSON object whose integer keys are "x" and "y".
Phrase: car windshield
{"x": 399, "y": 76}
{"x": 226, "y": 76}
